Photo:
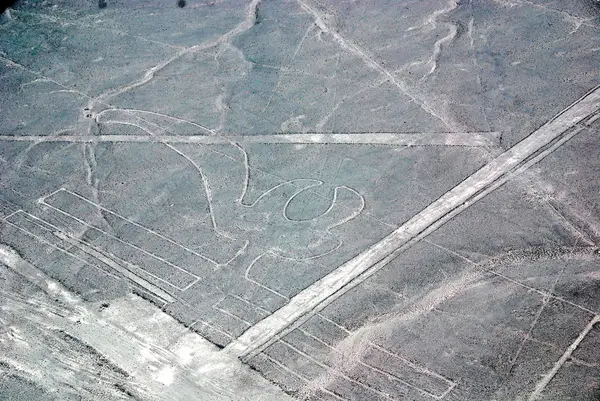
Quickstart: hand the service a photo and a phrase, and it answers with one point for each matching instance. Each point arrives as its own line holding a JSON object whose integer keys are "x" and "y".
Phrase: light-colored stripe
{"x": 151, "y": 288}
{"x": 541, "y": 385}
{"x": 162, "y": 359}
{"x": 468, "y": 139}
{"x": 530, "y": 150}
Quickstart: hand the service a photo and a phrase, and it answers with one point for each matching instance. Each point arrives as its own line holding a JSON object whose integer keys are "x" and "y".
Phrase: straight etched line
{"x": 286, "y": 369}
{"x": 44, "y": 241}
{"x": 12, "y": 214}
{"x": 43, "y": 200}
{"x": 541, "y": 292}
{"x": 211, "y": 327}
{"x": 339, "y": 326}
{"x": 153, "y": 289}
{"x": 317, "y": 339}
{"x": 530, "y": 150}
{"x": 90, "y": 250}
{"x": 216, "y": 307}
{"x": 139, "y": 291}
{"x": 251, "y": 304}
{"x": 196, "y": 278}
{"x": 541, "y": 385}
{"x": 414, "y": 366}
{"x": 130, "y": 112}
{"x": 331, "y": 393}
{"x": 352, "y": 48}
{"x": 280, "y": 78}
{"x": 343, "y": 375}
{"x": 398, "y": 379}
{"x": 465, "y": 139}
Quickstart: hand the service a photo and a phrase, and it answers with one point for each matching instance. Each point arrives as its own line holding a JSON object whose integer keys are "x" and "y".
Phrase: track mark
{"x": 412, "y": 368}
{"x": 449, "y": 384}
{"x": 334, "y": 372}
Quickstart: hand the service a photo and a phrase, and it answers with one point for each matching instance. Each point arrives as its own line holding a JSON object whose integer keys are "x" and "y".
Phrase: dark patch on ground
{"x": 123, "y": 389}
{"x": 257, "y": 15}
{"x": 17, "y": 388}
{"x": 101, "y": 360}
{"x": 4, "y": 366}
{"x": 6, "y": 4}
{"x": 582, "y": 291}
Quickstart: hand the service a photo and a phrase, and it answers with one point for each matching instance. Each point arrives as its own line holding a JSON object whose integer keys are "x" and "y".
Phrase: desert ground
{"x": 300, "y": 200}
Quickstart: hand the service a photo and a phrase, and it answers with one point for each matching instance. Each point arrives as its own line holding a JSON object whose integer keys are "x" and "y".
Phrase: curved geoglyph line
{"x": 505, "y": 166}
{"x": 352, "y": 215}
{"x": 244, "y": 191}
{"x": 328, "y": 228}
{"x": 311, "y": 183}
{"x": 154, "y": 113}
{"x": 317, "y": 183}
{"x": 245, "y": 185}
{"x": 205, "y": 184}
{"x": 247, "y": 276}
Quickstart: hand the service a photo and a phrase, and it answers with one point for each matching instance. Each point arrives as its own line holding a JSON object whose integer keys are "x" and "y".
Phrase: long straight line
{"x": 151, "y": 288}
{"x": 541, "y": 385}
{"x": 530, "y": 150}
{"x": 468, "y": 139}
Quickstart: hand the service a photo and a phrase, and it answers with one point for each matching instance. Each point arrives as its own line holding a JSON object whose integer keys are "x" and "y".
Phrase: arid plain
{"x": 314, "y": 200}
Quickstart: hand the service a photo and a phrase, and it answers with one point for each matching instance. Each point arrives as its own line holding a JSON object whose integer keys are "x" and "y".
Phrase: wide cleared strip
{"x": 467, "y": 139}
{"x": 514, "y": 160}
